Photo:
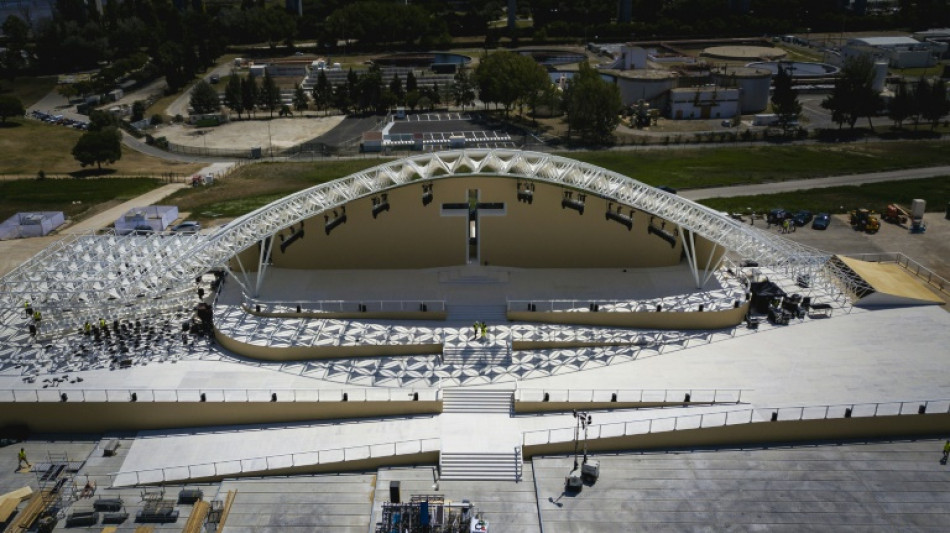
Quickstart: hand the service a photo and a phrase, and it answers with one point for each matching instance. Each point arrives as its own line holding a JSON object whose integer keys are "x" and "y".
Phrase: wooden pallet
{"x": 22, "y": 521}
{"x": 228, "y": 501}
{"x": 197, "y": 518}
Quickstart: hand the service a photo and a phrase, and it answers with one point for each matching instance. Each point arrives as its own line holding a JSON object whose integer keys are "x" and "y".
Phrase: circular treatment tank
{"x": 643, "y": 84}
{"x": 422, "y": 59}
{"x": 743, "y": 53}
{"x": 552, "y": 57}
{"x": 798, "y": 69}
{"x": 753, "y": 84}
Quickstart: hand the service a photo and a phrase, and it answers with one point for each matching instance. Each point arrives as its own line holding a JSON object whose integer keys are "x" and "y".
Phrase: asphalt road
{"x": 816, "y": 183}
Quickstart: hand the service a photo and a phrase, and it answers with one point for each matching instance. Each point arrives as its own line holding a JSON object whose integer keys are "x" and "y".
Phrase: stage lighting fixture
{"x": 526, "y": 192}
{"x": 573, "y": 202}
{"x": 617, "y": 216}
{"x": 426, "y": 194}
{"x": 380, "y": 204}
{"x": 338, "y": 218}
{"x": 662, "y": 233}
{"x": 294, "y": 237}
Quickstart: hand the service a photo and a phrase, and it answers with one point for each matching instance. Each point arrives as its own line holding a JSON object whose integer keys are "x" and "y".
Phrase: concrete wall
{"x": 303, "y": 353}
{"x": 409, "y": 235}
{"x": 101, "y": 417}
{"x": 648, "y": 320}
{"x": 763, "y": 432}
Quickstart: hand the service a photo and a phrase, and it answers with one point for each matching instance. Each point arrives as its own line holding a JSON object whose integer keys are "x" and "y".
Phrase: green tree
{"x": 98, "y": 147}
{"x": 395, "y": 88}
{"x": 100, "y": 120}
{"x": 300, "y": 98}
{"x": 411, "y": 83}
{"x": 785, "y": 102}
{"x": 506, "y": 78}
{"x": 249, "y": 92}
{"x": 592, "y": 104}
{"x": 936, "y": 106}
{"x": 16, "y": 33}
{"x": 204, "y": 99}
{"x": 10, "y": 106}
{"x": 232, "y": 95}
{"x": 322, "y": 92}
{"x": 901, "y": 107}
{"x": 138, "y": 110}
{"x": 269, "y": 96}
{"x": 463, "y": 89}
{"x": 854, "y": 96}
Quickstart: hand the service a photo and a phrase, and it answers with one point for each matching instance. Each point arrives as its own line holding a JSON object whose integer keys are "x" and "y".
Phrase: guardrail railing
{"x": 631, "y": 395}
{"x": 343, "y": 306}
{"x": 218, "y": 395}
{"x": 915, "y": 268}
{"x": 273, "y": 462}
{"x": 737, "y": 417}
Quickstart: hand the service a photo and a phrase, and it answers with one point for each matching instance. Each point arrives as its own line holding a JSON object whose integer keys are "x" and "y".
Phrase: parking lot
{"x": 57, "y": 119}
{"x": 439, "y": 129}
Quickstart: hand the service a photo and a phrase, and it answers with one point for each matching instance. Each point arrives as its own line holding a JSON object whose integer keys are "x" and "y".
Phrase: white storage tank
{"x": 880, "y": 75}
{"x": 917, "y": 208}
{"x": 753, "y": 84}
{"x": 652, "y": 85}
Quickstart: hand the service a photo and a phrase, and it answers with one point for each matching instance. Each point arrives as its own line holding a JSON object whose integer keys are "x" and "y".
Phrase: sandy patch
{"x": 245, "y": 134}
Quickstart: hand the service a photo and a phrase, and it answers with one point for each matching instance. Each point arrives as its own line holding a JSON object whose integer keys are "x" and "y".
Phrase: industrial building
{"x": 899, "y": 52}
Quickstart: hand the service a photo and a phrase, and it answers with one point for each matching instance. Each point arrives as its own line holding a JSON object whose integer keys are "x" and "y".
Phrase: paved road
{"x": 815, "y": 183}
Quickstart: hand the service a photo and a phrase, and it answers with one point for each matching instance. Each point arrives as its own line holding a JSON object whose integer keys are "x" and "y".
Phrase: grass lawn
{"x": 29, "y": 89}
{"x": 28, "y": 146}
{"x": 255, "y": 186}
{"x": 936, "y": 191}
{"x": 61, "y": 194}
{"x": 698, "y": 168}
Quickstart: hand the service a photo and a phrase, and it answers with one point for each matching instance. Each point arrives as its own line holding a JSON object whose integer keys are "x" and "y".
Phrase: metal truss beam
{"x": 111, "y": 270}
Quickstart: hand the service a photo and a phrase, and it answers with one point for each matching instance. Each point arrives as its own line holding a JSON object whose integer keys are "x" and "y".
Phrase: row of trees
{"x": 920, "y": 101}
{"x": 854, "y": 97}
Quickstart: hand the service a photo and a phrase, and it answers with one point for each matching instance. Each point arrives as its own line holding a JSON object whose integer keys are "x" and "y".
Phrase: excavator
{"x": 865, "y": 220}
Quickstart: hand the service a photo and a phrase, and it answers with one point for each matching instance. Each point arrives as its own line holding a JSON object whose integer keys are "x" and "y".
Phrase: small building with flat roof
{"x": 899, "y": 52}
{"x": 31, "y": 224}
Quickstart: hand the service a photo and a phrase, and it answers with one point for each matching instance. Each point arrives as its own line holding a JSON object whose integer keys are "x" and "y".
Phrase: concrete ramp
{"x": 891, "y": 285}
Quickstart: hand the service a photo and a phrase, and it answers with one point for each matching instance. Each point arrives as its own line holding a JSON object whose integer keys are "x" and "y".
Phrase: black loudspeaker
{"x": 273, "y": 396}
{"x": 203, "y": 397}
{"x": 613, "y": 397}
{"x": 394, "y": 492}
{"x": 687, "y": 398}
{"x": 847, "y": 413}
{"x": 134, "y": 397}
{"x": 547, "y": 397}
{"x": 774, "y": 416}
{"x": 922, "y": 410}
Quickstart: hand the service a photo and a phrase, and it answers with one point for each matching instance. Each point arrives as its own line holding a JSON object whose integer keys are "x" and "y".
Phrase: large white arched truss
{"x": 102, "y": 272}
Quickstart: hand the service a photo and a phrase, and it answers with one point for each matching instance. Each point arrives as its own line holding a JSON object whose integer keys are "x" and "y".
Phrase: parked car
{"x": 821, "y": 221}
{"x": 188, "y": 227}
{"x": 777, "y": 216}
{"x": 800, "y": 218}
{"x": 142, "y": 229}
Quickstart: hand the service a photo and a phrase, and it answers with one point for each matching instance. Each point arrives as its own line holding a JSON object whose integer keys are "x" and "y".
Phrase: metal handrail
{"x": 339, "y": 306}
{"x": 630, "y": 395}
{"x": 915, "y": 268}
{"x": 736, "y": 417}
{"x": 280, "y": 461}
{"x": 368, "y": 394}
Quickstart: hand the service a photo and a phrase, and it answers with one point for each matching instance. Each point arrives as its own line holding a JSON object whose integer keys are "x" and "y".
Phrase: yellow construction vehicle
{"x": 865, "y": 220}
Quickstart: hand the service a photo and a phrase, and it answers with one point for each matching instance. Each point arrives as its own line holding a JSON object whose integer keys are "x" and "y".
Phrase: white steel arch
{"x": 107, "y": 271}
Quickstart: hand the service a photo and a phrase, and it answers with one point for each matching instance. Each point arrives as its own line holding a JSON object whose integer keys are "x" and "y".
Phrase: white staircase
{"x": 478, "y": 313}
{"x": 480, "y": 440}
{"x": 470, "y": 400}
{"x": 502, "y": 466}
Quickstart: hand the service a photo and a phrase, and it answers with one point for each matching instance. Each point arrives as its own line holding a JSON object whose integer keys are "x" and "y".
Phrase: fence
{"x": 274, "y": 462}
{"x": 915, "y": 268}
{"x": 631, "y": 395}
{"x": 736, "y": 417}
{"x": 218, "y": 395}
{"x": 241, "y": 153}
{"x": 343, "y": 306}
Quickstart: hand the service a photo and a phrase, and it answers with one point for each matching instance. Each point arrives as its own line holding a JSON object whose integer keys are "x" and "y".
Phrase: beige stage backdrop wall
{"x": 537, "y": 235}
